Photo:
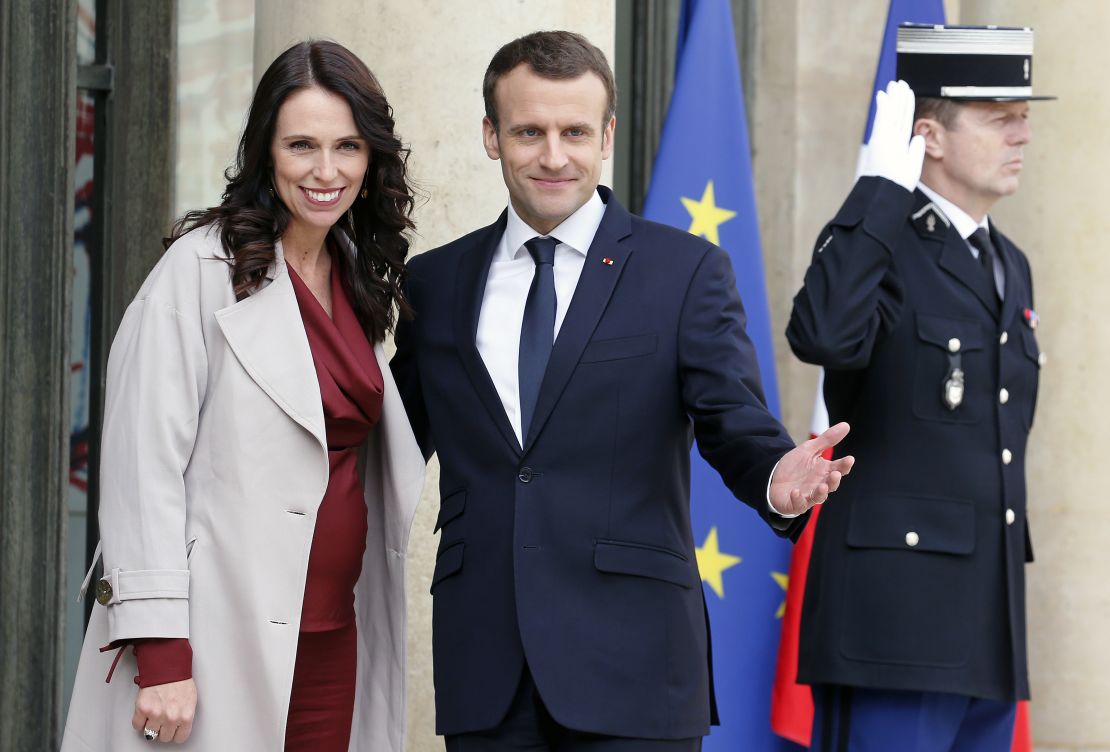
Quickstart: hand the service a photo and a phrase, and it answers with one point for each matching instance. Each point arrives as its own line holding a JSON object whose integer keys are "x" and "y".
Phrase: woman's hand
{"x": 167, "y": 709}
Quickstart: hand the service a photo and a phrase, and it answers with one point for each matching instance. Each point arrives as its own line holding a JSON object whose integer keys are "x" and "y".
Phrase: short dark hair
{"x": 556, "y": 55}
{"x": 944, "y": 111}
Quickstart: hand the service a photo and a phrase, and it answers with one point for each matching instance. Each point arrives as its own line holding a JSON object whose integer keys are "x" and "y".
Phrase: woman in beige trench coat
{"x": 215, "y": 457}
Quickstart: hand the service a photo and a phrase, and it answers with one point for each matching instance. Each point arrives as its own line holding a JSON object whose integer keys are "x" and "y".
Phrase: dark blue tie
{"x": 537, "y": 330}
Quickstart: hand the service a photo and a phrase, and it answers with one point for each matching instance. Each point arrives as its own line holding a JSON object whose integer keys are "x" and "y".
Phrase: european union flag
{"x": 702, "y": 182}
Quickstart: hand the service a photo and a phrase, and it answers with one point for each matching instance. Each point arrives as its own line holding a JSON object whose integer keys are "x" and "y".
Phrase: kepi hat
{"x": 984, "y": 63}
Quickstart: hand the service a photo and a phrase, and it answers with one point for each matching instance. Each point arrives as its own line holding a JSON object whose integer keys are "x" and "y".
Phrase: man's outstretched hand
{"x": 804, "y": 478}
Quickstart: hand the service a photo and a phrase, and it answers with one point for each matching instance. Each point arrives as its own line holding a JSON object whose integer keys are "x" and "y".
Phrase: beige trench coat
{"x": 214, "y": 462}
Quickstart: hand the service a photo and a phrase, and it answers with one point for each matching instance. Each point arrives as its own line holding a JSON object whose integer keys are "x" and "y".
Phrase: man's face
{"x": 980, "y": 156}
{"x": 551, "y": 140}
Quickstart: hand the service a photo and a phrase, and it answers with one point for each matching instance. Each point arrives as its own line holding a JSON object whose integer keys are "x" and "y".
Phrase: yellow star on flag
{"x": 712, "y": 563}
{"x": 706, "y": 215}
{"x": 783, "y": 581}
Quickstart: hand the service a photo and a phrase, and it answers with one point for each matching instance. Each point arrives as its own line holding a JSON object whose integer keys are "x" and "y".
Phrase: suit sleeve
{"x": 157, "y": 371}
{"x": 721, "y": 388}
{"x": 851, "y": 294}
{"x": 406, "y": 370}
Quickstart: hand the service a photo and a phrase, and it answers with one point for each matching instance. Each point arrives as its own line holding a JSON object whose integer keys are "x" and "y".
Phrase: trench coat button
{"x": 1007, "y": 456}
{"x": 954, "y": 345}
{"x": 1042, "y": 359}
{"x": 1010, "y": 516}
{"x": 1004, "y": 338}
{"x": 1003, "y": 396}
{"x": 912, "y": 539}
{"x": 525, "y": 475}
{"x": 103, "y": 591}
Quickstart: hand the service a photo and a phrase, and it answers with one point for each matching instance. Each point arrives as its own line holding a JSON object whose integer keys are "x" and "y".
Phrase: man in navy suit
{"x": 560, "y": 363}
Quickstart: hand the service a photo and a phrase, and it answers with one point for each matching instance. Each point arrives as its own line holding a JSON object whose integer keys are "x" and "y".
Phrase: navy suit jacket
{"x": 574, "y": 553}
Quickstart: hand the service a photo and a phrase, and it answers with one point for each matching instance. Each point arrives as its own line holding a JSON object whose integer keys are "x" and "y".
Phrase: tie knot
{"x": 542, "y": 250}
{"x": 981, "y": 239}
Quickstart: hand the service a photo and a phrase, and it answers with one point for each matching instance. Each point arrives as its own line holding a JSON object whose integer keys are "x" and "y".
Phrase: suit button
{"x": 1003, "y": 396}
{"x": 525, "y": 475}
{"x": 912, "y": 539}
{"x": 1004, "y": 338}
{"x": 1010, "y": 516}
{"x": 954, "y": 345}
{"x": 1042, "y": 359}
{"x": 1007, "y": 456}
{"x": 103, "y": 591}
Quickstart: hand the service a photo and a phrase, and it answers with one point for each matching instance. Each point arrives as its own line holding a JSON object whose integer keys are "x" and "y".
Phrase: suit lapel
{"x": 267, "y": 335}
{"x": 470, "y": 288}
{"x": 591, "y": 296}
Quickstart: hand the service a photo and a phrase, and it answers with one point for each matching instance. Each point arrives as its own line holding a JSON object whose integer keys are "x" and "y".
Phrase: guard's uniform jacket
{"x": 917, "y": 573}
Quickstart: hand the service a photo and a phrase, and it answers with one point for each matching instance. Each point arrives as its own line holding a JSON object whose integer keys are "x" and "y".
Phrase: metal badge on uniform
{"x": 1032, "y": 320}
{"x": 607, "y": 261}
{"x": 931, "y": 222}
{"x": 954, "y": 388}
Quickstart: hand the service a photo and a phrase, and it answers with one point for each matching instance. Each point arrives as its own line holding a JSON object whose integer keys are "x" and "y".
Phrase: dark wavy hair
{"x": 370, "y": 250}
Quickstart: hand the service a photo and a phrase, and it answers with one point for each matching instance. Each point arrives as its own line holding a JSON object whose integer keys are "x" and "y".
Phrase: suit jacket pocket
{"x": 913, "y": 523}
{"x": 644, "y": 560}
{"x": 618, "y": 349}
{"x": 448, "y": 563}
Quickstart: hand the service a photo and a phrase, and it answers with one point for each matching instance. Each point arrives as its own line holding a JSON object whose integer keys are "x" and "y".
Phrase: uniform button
{"x": 912, "y": 539}
{"x": 1003, "y": 395}
{"x": 525, "y": 475}
{"x": 1007, "y": 456}
{"x": 1004, "y": 338}
{"x": 103, "y": 591}
{"x": 954, "y": 345}
{"x": 1010, "y": 516}
{"x": 1042, "y": 359}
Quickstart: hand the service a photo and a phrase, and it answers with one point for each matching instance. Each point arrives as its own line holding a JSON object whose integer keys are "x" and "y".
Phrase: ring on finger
{"x": 150, "y": 734}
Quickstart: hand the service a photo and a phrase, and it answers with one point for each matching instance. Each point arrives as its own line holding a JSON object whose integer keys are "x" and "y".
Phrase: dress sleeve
{"x": 163, "y": 660}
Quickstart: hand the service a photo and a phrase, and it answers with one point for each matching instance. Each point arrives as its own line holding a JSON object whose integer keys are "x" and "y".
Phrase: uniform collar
{"x": 960, "y": 219}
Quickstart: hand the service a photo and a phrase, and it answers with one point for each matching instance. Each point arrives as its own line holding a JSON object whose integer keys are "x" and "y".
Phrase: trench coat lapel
{"x": 267, "y": 335}
{"x": 591, "y": 296}
{"x": 470, "y": 288}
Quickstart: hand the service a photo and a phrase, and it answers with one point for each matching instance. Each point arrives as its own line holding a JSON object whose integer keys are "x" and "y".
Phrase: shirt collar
{"x": 576, "y": 231}
{"x": 965, "y": 225}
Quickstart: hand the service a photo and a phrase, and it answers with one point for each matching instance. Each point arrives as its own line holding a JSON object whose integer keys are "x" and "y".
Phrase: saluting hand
{"x": 804, "y": 478}
{"x": 891, "y": 153}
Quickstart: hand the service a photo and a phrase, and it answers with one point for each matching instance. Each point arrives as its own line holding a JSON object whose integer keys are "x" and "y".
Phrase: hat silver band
{"x": 986, "y": 91}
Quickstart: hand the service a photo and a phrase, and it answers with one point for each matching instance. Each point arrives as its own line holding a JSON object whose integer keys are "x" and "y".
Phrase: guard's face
{"x": 981, "y": 156}
{"x": 551, "y": 142}
{"x": 319, "y": 158}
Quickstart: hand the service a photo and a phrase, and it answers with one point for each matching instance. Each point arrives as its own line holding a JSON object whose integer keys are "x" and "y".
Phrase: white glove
{"x": 891, "y": 153}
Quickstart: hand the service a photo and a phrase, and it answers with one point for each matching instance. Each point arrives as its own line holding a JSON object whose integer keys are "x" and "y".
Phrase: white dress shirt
{"x": 965, "y": 226}
{"x": 510, "y": 277}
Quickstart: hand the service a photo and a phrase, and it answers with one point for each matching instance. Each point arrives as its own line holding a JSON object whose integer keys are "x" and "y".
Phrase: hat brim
{"x": 1032, "y": 98}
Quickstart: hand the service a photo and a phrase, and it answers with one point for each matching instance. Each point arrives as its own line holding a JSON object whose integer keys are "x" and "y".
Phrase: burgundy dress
{"x": 323, "y": 694}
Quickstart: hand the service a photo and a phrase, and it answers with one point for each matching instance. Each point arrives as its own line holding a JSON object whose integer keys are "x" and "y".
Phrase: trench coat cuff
{"x": 148, "y": 617}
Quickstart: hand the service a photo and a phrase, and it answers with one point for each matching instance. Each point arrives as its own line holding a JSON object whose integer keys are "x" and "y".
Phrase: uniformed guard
{"x": 922, "y": 314}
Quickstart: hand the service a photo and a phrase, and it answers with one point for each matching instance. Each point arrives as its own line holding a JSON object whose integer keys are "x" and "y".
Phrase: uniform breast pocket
{"x": 951, "y": 370}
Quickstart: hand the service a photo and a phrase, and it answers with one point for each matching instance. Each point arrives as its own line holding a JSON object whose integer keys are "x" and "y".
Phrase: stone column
{"x": 1059, "y": 218}
{"x": 430, "y": 58}
{"x": 38, "y": 66}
